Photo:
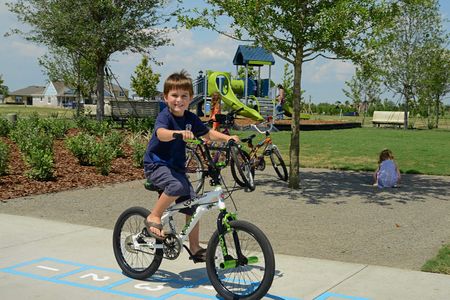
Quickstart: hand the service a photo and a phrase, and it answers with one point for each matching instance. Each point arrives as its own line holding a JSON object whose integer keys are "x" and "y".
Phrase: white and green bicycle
{"x": 240, "y": 261}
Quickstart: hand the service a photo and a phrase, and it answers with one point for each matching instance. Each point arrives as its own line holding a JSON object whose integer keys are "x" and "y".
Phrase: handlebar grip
{"x": 177, "y": 136}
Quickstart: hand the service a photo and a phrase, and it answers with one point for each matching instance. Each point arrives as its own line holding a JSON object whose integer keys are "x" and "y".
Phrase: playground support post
{"x": 246, "y": 84}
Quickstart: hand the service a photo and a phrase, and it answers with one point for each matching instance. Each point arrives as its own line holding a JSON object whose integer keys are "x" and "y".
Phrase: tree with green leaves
{"x": 364, "y": 88}
{"x": 72, "y": 69}
{"x": 434, "y": 84}
{"x": 298, "y": 32}
{"x": 94, "y": 28}
{"x": 251, "y": 72}
{"x": 144, "y": 83}
{"x": 3, "y": 88}
{"x": 402, "y": 60}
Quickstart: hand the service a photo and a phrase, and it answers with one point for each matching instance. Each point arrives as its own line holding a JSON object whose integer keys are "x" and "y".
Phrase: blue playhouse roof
{"x": 252, "y": 56}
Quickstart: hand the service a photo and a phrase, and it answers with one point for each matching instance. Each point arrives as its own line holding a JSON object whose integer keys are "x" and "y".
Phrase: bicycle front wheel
{"x": 132, "y": 249}
{"x": 247, "y": 270}
{"x": 194, "y": 169}
{"x": 241, "y": 168}
{"x": 278, "y": 164}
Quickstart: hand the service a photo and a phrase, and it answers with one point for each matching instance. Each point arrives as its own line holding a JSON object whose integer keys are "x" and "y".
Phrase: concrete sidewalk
{"x": 42, "y": 259}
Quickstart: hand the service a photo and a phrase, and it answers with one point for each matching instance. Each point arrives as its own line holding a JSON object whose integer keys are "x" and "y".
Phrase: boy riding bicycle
{"x": 164, "y": 160}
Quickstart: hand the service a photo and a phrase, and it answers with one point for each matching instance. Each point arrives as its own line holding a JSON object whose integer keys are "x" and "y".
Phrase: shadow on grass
{"x": 339, "y": 187}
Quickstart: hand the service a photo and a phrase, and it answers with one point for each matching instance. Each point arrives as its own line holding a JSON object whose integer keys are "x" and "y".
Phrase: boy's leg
{"x": 194, "y": 237}
{"x": 155, "y": 216}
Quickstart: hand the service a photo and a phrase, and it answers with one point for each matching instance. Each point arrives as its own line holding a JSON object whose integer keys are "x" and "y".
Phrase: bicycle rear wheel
{"x": 131, "y": 246}
{"x": 194, "y": 169}
{"x": 246, "y": 276}
{"x": 278, "y": 164}
{"x": 242, "y": 169}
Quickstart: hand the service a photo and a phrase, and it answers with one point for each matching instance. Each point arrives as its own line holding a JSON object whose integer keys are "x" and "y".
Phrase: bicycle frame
{"x": 208, "y": 201}
{"x": 266, "y": 143}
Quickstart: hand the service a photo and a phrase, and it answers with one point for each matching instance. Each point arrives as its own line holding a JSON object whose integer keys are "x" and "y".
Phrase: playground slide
{"x": 287, "y": 109}
{"x": 228, "y": 96}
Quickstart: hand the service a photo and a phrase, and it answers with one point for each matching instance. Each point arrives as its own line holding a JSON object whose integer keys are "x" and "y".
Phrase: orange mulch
{"x": 69, "y": 174}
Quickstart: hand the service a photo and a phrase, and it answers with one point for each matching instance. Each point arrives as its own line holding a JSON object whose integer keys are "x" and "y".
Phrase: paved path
{"x": 50, "y": 260}
{"x": 337, "y": 215}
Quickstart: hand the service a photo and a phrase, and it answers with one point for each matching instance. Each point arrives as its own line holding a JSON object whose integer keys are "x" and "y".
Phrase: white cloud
{"x": 328, "y": 70}
{"x": 26, "y": 49}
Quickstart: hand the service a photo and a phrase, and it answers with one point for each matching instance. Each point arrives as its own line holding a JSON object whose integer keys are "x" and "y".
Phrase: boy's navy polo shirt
{"x": 173, "y": 153}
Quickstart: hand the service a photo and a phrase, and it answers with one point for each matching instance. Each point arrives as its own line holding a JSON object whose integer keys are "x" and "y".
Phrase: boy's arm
{"x": 219, "y": 136}
{"x": 166, "y": 135}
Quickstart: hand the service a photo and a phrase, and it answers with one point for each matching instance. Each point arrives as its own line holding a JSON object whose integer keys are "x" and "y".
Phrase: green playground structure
{"x": 254, "y": 95}
{"x": 228, "y": 96}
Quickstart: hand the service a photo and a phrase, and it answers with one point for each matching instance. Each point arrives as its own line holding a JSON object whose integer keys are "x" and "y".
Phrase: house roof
{"x": 29, "y": 91}
{"x": 252, "y": 56}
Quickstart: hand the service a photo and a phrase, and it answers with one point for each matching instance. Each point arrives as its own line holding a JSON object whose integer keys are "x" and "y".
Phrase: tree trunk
{"x": 100, "y": 90}
{"x": 294, "y": 151}
{"x": 437, "y": 112}
{"x": 406, "y": 94}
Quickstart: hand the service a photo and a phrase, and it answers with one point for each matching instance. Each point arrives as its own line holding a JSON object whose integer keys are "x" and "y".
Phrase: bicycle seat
{"x": 248, "y": 139}
{"x": 151, "y": 187}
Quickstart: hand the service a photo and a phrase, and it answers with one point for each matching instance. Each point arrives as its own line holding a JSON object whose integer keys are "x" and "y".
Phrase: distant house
{"x": 112, "y": 92}
{"x": 58, "y": 94}
{"x": 26, "y": 95}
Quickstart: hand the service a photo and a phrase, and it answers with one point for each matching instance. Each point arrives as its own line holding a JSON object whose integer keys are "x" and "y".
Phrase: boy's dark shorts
{"x": 173, "y": 183}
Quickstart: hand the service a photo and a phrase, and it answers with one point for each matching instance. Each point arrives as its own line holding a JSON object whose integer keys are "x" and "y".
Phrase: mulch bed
{"x": 69, "y": 174}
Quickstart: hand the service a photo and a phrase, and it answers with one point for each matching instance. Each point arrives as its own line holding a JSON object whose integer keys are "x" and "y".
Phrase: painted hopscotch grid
{"x": 108, "y": 280}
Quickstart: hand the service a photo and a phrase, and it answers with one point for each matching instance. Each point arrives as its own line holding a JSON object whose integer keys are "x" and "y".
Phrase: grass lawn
{"x": 416, "y": 151}
{"x": 439, "y": 264}
{"x": 23, "y": 110}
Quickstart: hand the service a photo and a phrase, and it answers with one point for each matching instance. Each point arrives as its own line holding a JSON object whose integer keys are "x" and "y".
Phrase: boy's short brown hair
{"x": 181, "y": 80}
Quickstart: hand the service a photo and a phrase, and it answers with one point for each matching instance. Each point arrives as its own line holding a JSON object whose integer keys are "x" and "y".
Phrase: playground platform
{"x": 316, "y": 125}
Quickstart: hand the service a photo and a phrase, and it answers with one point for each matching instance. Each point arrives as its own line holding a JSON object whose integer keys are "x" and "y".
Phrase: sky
{"x": 194, "y": 50}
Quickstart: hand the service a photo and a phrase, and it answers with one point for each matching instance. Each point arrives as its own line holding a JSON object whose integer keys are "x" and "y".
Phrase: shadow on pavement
{"x": 319, "y": 187}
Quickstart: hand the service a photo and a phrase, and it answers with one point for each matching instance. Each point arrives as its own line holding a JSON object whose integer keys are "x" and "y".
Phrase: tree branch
{"x": 317, "y": 55}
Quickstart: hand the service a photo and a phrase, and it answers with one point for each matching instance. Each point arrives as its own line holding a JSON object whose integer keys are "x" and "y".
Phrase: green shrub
{"x": 39, "y": 155}
{"x": 115, "y": 139}
{"x": 103, "y": 155}
{"x": 5, "y": 127}
{"x": 4, "y": 158}
{"x": 138, "y": 144}
{"x": 56, "y": 127}
{"x": 94, "y": 127}
{"x": 41, "y": 164}
{"x": 139, "y": 125}
{"x": 82, "y": 147}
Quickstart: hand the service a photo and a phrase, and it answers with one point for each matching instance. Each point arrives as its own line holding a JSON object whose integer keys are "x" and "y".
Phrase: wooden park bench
{"x": 123, "y": 110}
{"x": 396, "y": 118}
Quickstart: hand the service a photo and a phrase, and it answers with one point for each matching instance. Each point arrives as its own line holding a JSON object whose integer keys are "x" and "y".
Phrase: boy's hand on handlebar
{"x": 235, "y": 138}
{"x": 184, "y": 135}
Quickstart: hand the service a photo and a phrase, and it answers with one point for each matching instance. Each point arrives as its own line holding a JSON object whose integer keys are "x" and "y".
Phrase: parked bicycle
{"x": 240, "y": 261}
{"x": 266, "y": 147}
{"x": 239, "y": 163}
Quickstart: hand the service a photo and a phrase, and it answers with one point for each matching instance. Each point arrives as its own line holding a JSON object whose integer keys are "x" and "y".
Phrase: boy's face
{"x": 178, "y": 101}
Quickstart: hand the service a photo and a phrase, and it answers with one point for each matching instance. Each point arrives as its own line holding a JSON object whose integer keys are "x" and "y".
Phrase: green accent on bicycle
{"x": 186, "y": 226}
{"x": 221, "y": 164}
{"x": 229, "y": 216}
{"x": 223, "y": 246}
{"x": 233, "y": 263}
{"x": 194, "y": 141}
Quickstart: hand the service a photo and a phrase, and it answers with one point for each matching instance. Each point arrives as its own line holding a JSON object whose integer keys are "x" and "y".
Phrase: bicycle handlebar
{"x": 262, "y": 132}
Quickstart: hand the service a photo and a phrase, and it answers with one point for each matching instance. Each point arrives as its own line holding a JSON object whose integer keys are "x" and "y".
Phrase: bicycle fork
{"x": 223, "y": 227}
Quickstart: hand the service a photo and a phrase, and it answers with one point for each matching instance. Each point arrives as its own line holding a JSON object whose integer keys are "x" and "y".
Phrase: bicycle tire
{"x": 242, "y": 170}
{"x": 129, "y": 223}
{"x": 233, "y": 282}
{"x": 195, "y": 169}
{"x": 278, "y": 164}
